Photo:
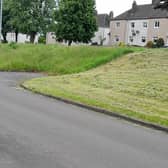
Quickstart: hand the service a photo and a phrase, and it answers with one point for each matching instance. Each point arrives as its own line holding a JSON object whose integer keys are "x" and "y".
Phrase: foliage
{"x": 150, "y": 44}
{"x": 134, "y": 85}
{"x": 42, "y": 40}
{"x": 31, "y": 17}
{"x": 13, "y": 45}
{"x": 6, "y": 27}
{"x": 13, "y": 15}
{"x": 56, "y": 59}
{"x": 122, "y": 44}
{"x": 76, "y": 20}
{"x": 160, "y": 43}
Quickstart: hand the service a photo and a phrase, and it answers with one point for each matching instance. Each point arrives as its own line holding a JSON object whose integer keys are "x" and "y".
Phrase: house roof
{"x": 143, "y": 12}
{"x": 103, "y": 20}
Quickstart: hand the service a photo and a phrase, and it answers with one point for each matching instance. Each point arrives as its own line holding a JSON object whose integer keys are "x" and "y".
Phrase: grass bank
{"x": 56, "y": 59}
{"x": 135, "y": 85}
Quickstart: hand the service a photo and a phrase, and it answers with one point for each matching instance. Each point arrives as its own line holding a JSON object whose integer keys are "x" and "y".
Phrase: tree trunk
{"x": 69, "y": 42}
{"x": 16, "y": 36}
{"x": 4, "y": 37}
{"x": 32, "y": 37}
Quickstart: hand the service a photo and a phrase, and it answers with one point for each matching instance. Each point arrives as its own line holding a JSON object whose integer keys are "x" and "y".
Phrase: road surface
{"x": 39, "y": 132}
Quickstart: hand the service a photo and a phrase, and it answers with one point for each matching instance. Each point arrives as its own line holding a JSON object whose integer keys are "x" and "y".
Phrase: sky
{"x": 117, "y": 6}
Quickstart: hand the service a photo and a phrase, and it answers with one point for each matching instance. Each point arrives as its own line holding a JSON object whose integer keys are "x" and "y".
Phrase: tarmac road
{"x": 39, "y": 132}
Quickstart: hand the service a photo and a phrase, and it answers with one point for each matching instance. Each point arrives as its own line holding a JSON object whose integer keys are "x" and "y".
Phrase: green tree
{"x": 15, "y": 13}
{"x": 76, "y": 20}
{"x": 9, "y": 18}
{"x": 37, "y": 17}
{"x": 31, "y": 17}
{"x": 6, "y": 27}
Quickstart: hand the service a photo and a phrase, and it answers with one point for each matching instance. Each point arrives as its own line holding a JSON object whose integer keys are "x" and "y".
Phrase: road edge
{"x": 103, "y": 111}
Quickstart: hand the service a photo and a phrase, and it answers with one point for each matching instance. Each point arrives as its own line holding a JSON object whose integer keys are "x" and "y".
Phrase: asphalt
{"x": 40, "y": 132}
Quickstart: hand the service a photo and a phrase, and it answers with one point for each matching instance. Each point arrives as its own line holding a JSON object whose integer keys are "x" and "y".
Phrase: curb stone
{"x": 103, "y": 111}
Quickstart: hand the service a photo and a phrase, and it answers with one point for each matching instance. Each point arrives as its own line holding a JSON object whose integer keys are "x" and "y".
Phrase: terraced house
{"x": 140, "y": 24}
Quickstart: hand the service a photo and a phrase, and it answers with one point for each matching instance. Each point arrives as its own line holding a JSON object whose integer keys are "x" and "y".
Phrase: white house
{"x": 102, "y": 35}
{"x": 22, "y": 38}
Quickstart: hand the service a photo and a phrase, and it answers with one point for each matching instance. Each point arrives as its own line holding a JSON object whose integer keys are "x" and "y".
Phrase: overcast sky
{"x": 117, "y": 6}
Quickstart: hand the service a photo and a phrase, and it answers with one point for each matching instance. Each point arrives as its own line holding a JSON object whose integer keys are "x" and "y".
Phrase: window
{"x": 117, "y": 24}
{"x": 131, "y": 39}
{"x": 143, "y": 39}
{"x": 155, "y": 39}
{"x": 132, "y": 24}
{"x": 117, "y": 39}
{"x": 145, "y": 24}
{"x": 156, "y": 24}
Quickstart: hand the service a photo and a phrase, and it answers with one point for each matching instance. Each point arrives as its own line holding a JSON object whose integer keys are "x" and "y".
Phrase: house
{"x": 140, "y": 24}
{"x": 22, "y": 38}
{"x": 102, "y": 35}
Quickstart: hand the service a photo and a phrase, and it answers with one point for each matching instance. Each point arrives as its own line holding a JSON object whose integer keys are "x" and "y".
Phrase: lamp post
{"x": 1, "y": 3}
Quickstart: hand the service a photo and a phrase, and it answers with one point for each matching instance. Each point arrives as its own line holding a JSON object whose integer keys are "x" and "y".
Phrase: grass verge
{"x": 135, "y": 85}
{"x": 55, "y": 59}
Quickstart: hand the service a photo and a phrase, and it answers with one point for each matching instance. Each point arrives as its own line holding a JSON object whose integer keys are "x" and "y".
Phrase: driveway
{"x": 39, "y": 132}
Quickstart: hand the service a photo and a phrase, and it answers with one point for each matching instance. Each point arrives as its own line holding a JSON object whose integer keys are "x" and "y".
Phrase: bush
{"x": 160, "y": 43}
{"x": 121, "y": 44}
{"x": 150, "y": 44}
{"x": 42, "y": 40}
{"x": 13, "y": 45}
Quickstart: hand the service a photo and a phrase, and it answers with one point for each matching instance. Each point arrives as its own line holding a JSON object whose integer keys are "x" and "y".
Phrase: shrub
{"x": 160, "y": 43}
{"x": 150, "y": 44}
{"x": 42, "y": 40}
{"x": 121, "y": 44}
{"x": 13, "y": 45}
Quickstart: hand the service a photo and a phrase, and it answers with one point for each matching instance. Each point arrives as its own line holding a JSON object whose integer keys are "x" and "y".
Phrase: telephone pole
{"x": 1, "y": 3}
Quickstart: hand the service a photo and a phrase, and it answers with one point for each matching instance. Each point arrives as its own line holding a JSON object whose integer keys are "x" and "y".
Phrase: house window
{"x": 132, "y": 24}
{"x": 145, "y": 24}
{"x": 131, "y": 39}
{"x": 155, "y": 39}
{"x": 143, "y": 39}
{"x": 117, "y": 39}
{"x": 117, "y": 24}
{"x": 156, "y": 24}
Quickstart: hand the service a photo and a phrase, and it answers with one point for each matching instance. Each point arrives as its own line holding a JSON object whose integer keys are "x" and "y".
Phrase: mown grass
{"x": 56, "y": 59}
{"x": 135, "y": 85}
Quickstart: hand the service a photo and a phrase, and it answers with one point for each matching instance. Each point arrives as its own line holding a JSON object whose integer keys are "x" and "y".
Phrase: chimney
{"x": 134, "y": 6}
{"x": 111, "y": 15}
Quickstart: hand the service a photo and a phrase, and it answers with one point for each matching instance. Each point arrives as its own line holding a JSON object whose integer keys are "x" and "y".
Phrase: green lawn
{"x": 55, "y": 59}
{"x": 135, "y": 85}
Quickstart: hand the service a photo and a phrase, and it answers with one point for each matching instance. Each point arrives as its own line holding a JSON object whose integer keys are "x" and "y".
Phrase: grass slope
{"x": 135, "y": 85}
{"x": 56, "y": 59}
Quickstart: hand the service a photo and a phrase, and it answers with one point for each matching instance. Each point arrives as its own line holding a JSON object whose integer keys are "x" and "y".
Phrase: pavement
{"x": 40, "y": 132}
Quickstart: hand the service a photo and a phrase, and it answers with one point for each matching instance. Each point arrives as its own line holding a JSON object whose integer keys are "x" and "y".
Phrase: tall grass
{"x": 56, "y": 59}
{"x": 135, "y": 85}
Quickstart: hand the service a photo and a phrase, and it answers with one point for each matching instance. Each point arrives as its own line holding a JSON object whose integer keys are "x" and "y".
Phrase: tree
{"x": 14, "y": 8}
{"x": 29, "y": 17}
{"x": 162, "y": 4}
{"x": 8, "y": 19}
{"x": 76, "y": 20}
{"x": 37, "y": 16}
{"x": 5, "y": 23}
{"x": 32, "y": 17}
